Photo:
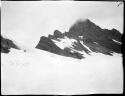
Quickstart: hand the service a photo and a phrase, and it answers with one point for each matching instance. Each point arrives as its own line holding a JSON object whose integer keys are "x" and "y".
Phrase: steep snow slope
{"x": 41, "y": 72}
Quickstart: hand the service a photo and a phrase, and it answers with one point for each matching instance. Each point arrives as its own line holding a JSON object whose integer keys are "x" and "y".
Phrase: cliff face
{"x": 84, "y": 37}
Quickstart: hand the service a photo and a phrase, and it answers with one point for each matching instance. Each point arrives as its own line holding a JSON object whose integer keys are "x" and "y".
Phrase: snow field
{"x": 41, "y": 72}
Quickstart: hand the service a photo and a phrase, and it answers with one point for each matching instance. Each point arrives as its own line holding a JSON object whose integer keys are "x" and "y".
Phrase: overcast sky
{"x": 27, "y": 21}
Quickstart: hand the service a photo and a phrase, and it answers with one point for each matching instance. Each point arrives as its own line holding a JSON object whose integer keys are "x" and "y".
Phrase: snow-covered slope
{"x": 41, "y": 72}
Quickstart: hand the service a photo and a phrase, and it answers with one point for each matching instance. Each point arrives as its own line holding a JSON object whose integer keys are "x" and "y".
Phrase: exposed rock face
{"x": 83, "y": 37}
{"x": 57, "y": 34}
{"x": 6, "y": 44}
{"x": 92, "y": 33}
{"x": 48, "y": 45}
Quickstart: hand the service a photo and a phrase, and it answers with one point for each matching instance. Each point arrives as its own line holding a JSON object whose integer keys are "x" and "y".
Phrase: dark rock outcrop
{"x": 57, "y": 34}
{"x": 48, "y": 45}
{"x": 6, "y": 44}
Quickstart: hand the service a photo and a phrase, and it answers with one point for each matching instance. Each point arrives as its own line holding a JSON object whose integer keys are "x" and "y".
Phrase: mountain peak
{"x": 85, "y": 36}
{"x": 87, "y": 20}
{"x": 83, "y": 27}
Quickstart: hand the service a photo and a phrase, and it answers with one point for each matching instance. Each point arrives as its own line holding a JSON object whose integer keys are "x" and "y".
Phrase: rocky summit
{"x": 83, "y": 38}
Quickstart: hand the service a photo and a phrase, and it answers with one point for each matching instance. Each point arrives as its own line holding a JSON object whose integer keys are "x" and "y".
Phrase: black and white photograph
{"x": 61, "y": 47}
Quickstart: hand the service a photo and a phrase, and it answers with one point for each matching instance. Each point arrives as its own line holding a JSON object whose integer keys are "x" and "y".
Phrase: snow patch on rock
{"x": 65, "y": 42}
